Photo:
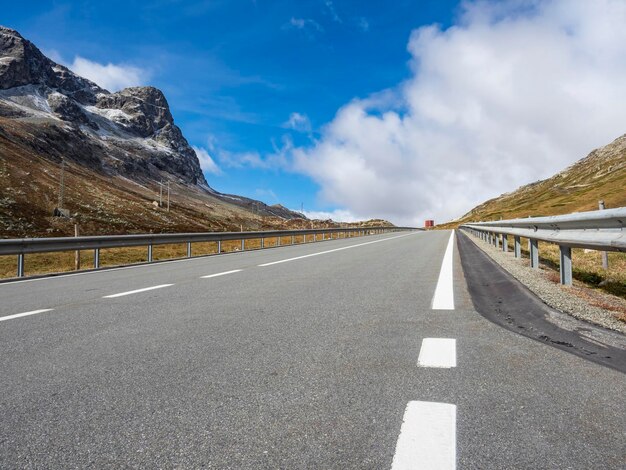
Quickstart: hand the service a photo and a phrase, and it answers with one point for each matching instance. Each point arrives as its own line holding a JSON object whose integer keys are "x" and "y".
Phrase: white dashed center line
{"x": 25, "y": 314}
{"x": 121, "y": 294}
{"x": 221, "y": 274}
{"x": 437, "y": 352}
{"x": 444, "y": 293}
{"x": 427, "y": 438}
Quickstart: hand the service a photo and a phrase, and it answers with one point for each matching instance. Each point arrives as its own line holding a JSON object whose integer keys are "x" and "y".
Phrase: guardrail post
{"x": 293, "y": 239}
{"x": 278, "y": 241}
{"x": 315, "y": 237}
{"x": 565, "y": 266}
{"x": 262, "y": 242}
{"x": 150, "y": 253}
{"x": 505, "y": 243}
{"x": 496, "y": 240}
{"x": 243, "y": 244}
{"x": 534, "y": 253}
{"x": 605, "y": 255}
{"x": 188, "y": 249}
{"x": 20, "y": 265}
{"x": 96, "y": 258}
{"x": 518, "y": 247}
{"x": 219, "y": 246}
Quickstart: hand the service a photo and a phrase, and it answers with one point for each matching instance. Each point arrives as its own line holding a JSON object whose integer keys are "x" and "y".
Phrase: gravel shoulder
{"x": 578, "y": 300}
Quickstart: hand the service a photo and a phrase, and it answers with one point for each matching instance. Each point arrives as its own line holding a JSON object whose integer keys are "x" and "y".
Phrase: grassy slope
{"x": 599, "y": 176}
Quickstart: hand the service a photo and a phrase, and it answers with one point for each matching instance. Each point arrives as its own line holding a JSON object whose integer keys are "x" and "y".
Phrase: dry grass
{"x": 586, "y": 267}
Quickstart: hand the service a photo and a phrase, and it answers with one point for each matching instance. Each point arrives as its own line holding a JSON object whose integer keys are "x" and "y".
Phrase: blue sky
{"x": 397, "y": 109}
{"x": 235, "y": 71}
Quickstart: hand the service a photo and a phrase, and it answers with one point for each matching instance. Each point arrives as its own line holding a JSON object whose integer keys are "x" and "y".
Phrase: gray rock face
{"x": 21, "y": 63}
{"x": 146, "y": 106}
{"x": 134, "y": 126}
{"x": 68, "y": 110}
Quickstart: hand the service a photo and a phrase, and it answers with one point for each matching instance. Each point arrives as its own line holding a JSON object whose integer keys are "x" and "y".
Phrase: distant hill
{"x": 601, "y": 175}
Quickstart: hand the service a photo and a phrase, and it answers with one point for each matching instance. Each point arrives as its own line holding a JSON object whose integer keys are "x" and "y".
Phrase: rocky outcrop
{"x": 21, "y": 63}
{"x": 131, "y": 132}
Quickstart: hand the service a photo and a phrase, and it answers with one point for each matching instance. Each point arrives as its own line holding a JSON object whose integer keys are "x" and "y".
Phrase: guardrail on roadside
{"x": 602, "y": 230}
{"x": 23, "y": 246}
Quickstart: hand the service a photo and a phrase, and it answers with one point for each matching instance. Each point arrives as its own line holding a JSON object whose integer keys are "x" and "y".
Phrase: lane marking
{"x": 221, "y": 274}
{"x": 437, "y": 352}
{"x": 444, "y": 292}
{"x": 25, "y": 314}
{"x": 332, "y": 251}
{"x": 121, "y": 294}
{"x": 427, "y": 438}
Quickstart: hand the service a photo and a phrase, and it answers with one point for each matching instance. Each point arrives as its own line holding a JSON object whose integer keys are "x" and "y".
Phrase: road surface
{"x": 353, "y": 353}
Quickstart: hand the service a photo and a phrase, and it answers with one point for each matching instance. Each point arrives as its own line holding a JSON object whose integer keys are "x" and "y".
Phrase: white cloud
{"x": 241, "y": 159}
{"x": 305, "y": 24}
{"x": 298, "y": 122}
{"x": 112, "y": 77}
{"x": 338, "y": 215}
{"x": 206, "y": 162}
{"x": 280, "y": 158}
{"x": 512, "y": 93}
{"x": 363, "y": 24}
{"x": 332, "y": 12}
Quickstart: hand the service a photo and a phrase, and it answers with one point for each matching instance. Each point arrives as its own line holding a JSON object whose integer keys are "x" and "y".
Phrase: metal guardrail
{"x": 603, "y": 230}
{"x": 23, "y": 246}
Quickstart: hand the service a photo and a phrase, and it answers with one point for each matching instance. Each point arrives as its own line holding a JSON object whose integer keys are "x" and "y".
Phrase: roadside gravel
{"x": 578, "y": 300}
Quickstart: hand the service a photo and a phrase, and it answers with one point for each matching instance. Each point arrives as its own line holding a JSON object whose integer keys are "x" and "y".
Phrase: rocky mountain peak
{"x": 22, "y": 63}
{"x": 132, "y": 131}
{"x": 146, "y": 106}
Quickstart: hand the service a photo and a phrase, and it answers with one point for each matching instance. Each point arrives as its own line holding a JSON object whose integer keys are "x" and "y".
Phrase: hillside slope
{"x": 599, "y": 176}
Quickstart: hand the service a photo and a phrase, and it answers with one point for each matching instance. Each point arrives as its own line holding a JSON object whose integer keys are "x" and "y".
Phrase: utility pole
{"x": 168, "y": 196}
{"x": 62, "y": 183}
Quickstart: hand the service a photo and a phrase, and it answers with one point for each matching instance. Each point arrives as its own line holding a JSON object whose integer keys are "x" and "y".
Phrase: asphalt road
{"x": 308, "y": 363}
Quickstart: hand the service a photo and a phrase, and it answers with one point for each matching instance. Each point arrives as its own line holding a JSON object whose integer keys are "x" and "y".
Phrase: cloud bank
{"x": 512, "y": 93}
{"x": 112, "y": 77}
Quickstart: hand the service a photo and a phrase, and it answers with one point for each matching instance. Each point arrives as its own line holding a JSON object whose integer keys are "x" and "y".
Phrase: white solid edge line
{"x": 437, "y": 352}
{"x": 427, "y": 439}
{"x": 25, "y": 314}
{"x": 221, "y": 274}
{"x": 332, "y": 251}
{"x": 121, "y": 294}
{"x": 444, "y": 292}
